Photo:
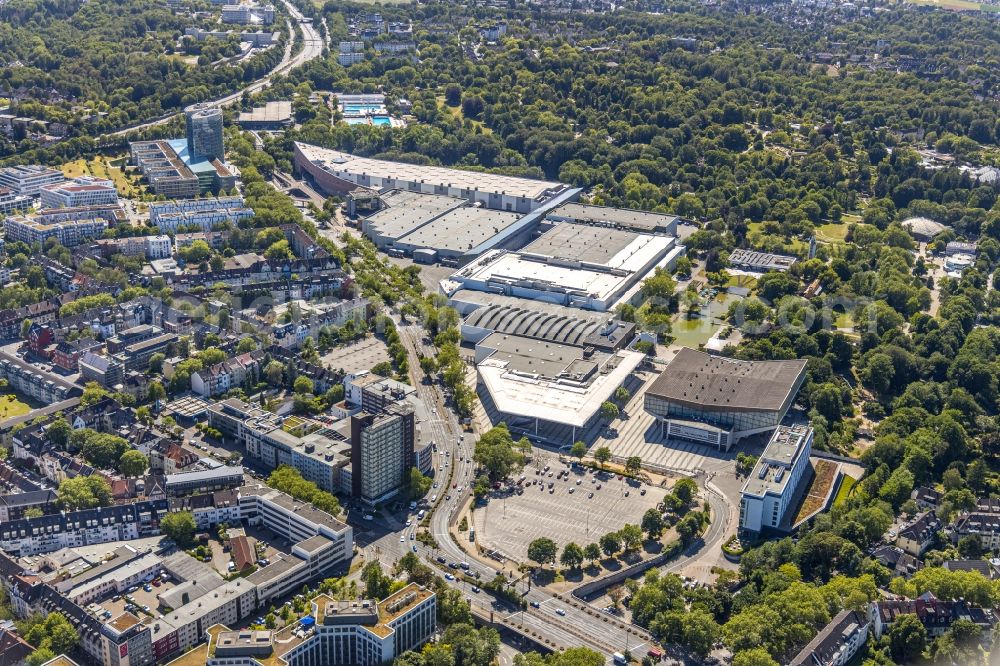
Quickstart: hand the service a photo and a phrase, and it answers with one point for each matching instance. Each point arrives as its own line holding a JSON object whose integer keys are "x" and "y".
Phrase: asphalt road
{"x": 312, "y": 48}
{"x": 554, "y": 619}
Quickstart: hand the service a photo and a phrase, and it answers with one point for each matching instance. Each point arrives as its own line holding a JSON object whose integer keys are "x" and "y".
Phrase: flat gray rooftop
{"x": 596, "y": 245}
{"x": 408, "y": 210}
{"x": 624, "y": 217}
{"x": 461, "y": 229}
{"x": 703, "y": 381}
{"x": 540, "y": 357}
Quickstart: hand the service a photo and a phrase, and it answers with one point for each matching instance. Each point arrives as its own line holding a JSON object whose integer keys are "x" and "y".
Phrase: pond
{"x": 696, "y": 330}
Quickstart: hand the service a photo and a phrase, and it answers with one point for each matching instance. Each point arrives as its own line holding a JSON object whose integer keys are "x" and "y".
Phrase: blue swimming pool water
{"x": 381, "y": 120}
{"x": 361, "y": 108}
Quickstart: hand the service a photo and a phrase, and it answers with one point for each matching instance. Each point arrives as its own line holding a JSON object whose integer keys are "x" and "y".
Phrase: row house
{"x": 232, "y": 373}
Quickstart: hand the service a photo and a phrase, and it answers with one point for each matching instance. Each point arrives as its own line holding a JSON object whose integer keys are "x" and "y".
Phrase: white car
{"x": 560, "y": 611}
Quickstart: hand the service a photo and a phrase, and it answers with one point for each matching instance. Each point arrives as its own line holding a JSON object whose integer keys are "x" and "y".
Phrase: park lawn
{"x": 100, "y": 167}
{"x": 457, "y": 112}
{"x": 831, "y": 233}
{"x": 11, "y": 406}
{"x": 846, "y": 484}
{"x": 742, "y": 281}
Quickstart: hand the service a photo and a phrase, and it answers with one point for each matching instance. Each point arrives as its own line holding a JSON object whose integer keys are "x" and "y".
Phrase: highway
{"x": 557, "y": 621}
{"x": 312, "y": 48}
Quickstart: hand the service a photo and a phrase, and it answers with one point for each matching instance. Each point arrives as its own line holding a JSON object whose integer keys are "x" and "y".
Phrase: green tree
{"x": 609, "y": 411}
{"x": 754, "y": 657}
{"x": 495, "y": 451}
{"x": 685, "y": 489}
{"x": 84, "y": 492}
{"x": 592, "y": 552}
{"x": 302, "y": 385}
{"x": 602, "y": 455}
{"x": 579, "y": 450}
{"x": 542, "y": 550}
{"x": 652, "y": 524}
{"x": 631, "y": 536}
{"x": 274, "y": 372}
{"x": 700, "y": 631}
{"x": 622, "y": 395}
{"x": 572, "y": 556}
{"x": 156, "y": 392}
{"x": 377, "y": 584}
{"x": 179, "y": 526}
{"x": 133, "y": 463}
{"x": 156, "y": 362}
{"x": 418, "y": 484}
{"x": 907, "y": 638}
{"x": 633, "y": 465}
{"x": 611, "y": 544}
{"x": 58, "y": 432}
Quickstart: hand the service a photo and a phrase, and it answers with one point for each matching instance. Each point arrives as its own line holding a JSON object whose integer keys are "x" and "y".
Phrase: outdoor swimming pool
{"x": 362, "y": 109}
{"x": 356, "y": 121}
{"x": 382, "y": 120}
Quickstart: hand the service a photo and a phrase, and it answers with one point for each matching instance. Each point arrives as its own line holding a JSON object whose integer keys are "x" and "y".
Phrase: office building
{"x": 760, "y": 262}
{"x": 204, "y": 132}
{"x": 771, "y": 489}
{"x": 718, "y": 401}
{"x": 175, "y": 173}
{"x": 248, "y": 14}
{"x": 339, "y": 173}
{"x": 69, "y": 233}
{"x": 81, "y": 191}
{"x": 27, "y": 180}
{"x": 127, "y": 642}
{"x": 382, "y": 452}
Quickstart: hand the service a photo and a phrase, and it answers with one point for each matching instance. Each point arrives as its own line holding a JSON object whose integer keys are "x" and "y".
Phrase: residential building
{"x": 13, "y": 507}
{"x": 919, "y": 534}
{"x": 837, "y": 642}
{"x": 176, "y": 173}
{"x": 983, "y": 525}
{"x": 66, "y": 355}
{"x": 205, "y": 213}
{"x": 44, "y": 387}
{"x": 14, "y": 650}
{"x": 106, "y": 371}
{"x": 27, "y": 180}
{"x": 774, "y": 484}
{"x": 127, "y": 642}
{"x": 217, "y": 478}
{"x": 232, "y": 373}
{"x": 69, "y": 233}
{"x": 935, "y": 614}
{"x": 158, "y": 247}
{"x": 11, "y": 203}
{"x": 81, "y": 191}
{"x": 896, "y": 561}
{"x": 718, "y": 401}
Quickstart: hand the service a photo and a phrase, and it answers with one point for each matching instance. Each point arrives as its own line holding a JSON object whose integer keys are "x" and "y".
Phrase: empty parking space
{"x": 510, "y": 523}
{"x": 357, "y": 356}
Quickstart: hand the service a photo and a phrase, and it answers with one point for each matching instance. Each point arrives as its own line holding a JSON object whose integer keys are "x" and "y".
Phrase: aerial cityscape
{"x": 499, "y": 333}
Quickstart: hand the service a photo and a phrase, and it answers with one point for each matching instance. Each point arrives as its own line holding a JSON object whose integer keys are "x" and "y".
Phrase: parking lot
{"x": 357, "y": 356}
{"x": 580, "y": 513}
{"x": 141, "y": 597}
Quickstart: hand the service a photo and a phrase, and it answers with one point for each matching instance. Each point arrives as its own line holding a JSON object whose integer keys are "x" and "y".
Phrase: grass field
{"x": 10, "y": 406}
{"x": 457, "y": 112}
{"x": 742, "y": 281}
{"x": 831, "y": 233}
{"x": 100, "y": 167}
{"x": 846, "y": 484}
